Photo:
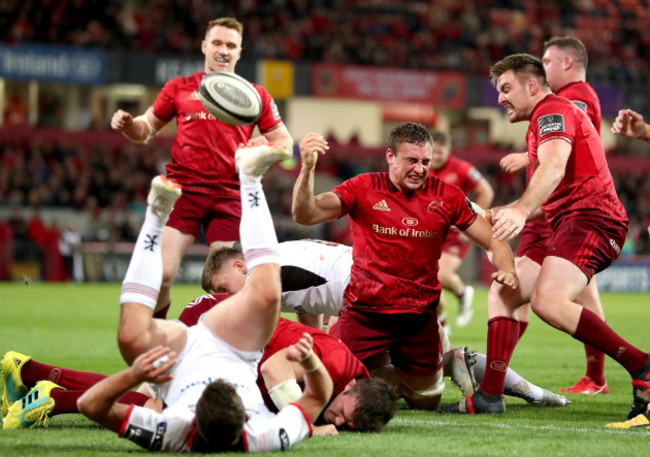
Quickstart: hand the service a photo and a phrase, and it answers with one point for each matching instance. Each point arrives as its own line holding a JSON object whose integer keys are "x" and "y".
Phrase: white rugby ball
{"x": 230, "y": 98}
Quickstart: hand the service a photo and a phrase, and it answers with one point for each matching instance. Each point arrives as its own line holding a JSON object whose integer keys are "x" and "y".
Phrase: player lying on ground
{"x": 314, "y": 276}
{"x": 358, "y": 403}
{"x": 204, "y": 410}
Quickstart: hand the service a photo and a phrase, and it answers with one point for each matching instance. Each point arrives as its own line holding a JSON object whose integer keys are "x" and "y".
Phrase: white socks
{"x": 256, "y": 230}
{"x": 514, "y": 385}
{"x": 142, "y": 280}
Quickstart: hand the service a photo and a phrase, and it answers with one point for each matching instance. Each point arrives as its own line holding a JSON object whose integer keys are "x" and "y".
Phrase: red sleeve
{"x": 164, "y": 107}
{"x": 347, "y": 193}
{"x": 270, "y": 117}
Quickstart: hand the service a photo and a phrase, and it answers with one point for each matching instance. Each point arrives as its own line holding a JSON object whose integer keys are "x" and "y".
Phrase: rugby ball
{"x": 230, "y": 98}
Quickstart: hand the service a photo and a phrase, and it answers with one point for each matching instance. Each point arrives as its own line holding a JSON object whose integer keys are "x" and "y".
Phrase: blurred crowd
{"x": 441, "y": 35}
{"x": 108, "y": 182}
{"x": 106, "y": 178}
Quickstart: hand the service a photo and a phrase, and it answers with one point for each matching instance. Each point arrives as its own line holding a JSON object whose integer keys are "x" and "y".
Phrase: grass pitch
{"x": 75, "y": 326}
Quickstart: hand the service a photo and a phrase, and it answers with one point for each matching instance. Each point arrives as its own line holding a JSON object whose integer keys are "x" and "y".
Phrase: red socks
{"x": 34, "y": 371}
{"x": 596, "y": 333}
{"x": 503, "y": 334}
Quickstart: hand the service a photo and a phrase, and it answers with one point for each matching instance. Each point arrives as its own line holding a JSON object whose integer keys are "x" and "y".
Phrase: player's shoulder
{"x": 180, "y": 81}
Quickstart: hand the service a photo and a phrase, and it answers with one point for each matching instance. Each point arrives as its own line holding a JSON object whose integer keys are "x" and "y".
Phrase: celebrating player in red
{"x": 203, "y": 154}
{"x": 398, "y": 222}
{"x": 565, "y": 62}
{"x": 570, "y": 183}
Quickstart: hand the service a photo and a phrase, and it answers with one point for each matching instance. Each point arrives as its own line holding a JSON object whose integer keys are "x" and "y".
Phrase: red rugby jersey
{"x": 397, "y": 239}
{"x": 458, "y": 172}
{"x": 203, "y": 153}
{"x": 587, "y": 186}
{"x": 583, "y": 96}
{"x": 341, "y": 364}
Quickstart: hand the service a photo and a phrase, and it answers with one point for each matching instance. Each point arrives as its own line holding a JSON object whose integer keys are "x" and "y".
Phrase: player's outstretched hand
{"x": 310, "y": 146}
{"x": 121, "y": 120}
{"x": 153, "y": 365}
{"x": 506, "y": 277}
{"x": 628, "y": 123}
{"x": 514, "y": 162}
{"x": 508, "y": 222}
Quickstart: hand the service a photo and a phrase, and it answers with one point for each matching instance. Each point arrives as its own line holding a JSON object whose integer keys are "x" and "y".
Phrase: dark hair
{"x": 215, "y": 262}
{"x": 227, "y": 22}
{"x": 440, "y": 138}
{"x": 524, "y": 66}
{"x": 408, "y": 132}
{"x": 219, "y": 417}
{"x": 377, "y": 404}
{"x": 570, "y": 43}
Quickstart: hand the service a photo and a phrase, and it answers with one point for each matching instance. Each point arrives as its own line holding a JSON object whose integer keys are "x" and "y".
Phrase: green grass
{"x": 75, "y": 326}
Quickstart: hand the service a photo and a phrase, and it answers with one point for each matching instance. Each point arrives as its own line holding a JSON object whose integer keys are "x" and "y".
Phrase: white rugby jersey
{"x": 204, "y": 359}
{"x": 314, "y": 275}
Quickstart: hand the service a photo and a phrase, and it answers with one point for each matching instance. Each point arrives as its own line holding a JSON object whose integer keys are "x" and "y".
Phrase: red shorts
{"x": 590, "y": 243}
{"x": 454, "y": 246}
{"x": 218, "y": 216}
{"x": 412, "y": 340}
{"x": 534, "y": 240}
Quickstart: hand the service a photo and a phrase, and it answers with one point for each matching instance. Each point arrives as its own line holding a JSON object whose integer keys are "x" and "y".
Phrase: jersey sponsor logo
{"x": 434, "y": 206}
{"x": 615, "y": 245}
{"x": 410, "y": 221}
{"x": 581, "y": 105}
{"x": 201, "y": 115}
{"x": 404, "y": 232}
{"x": 284, "y": 439}
{"x": 381, "y": 206}
{"x": 551, "y": 123}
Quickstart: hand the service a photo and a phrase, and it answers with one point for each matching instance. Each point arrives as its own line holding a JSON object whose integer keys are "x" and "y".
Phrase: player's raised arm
{"x": 318, "y": 383}
{"x": 140, "y": 129}
{"x": 306, "y": 208}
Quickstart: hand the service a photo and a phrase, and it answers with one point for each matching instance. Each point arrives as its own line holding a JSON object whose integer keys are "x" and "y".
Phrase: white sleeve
{"x": 278, "y": 433}
{"x": 156, "y": 431}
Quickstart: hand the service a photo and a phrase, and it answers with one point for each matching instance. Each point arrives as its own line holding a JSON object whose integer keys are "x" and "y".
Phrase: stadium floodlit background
{"x": 72, "y": 192}
{"x": 347, "y": 69}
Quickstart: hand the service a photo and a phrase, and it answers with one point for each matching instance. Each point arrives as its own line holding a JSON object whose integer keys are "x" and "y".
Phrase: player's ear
{"x": 390, "y": 156}
{"x": 239, "y": 265}
{"x": 351, "y": 383}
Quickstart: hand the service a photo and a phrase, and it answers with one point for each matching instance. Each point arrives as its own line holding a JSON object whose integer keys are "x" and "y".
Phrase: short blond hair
{"x": 227, "y": 22}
